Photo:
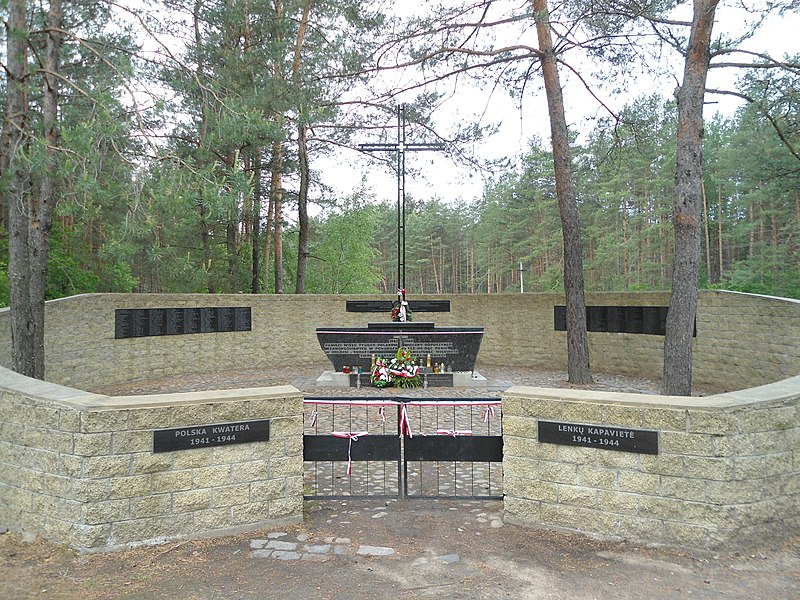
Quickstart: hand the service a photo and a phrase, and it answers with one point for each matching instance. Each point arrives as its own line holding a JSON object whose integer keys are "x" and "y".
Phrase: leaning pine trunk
{"x": 577, "y": 338}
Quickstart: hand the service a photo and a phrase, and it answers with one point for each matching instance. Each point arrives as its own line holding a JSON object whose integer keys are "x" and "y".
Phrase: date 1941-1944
{"x": 220, "y": 439}
{"x": 580, "y": 439}
{"x": 598, "y": 436}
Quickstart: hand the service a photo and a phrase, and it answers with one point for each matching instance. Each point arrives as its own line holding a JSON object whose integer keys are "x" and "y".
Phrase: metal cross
{"x": 401, "y": 147}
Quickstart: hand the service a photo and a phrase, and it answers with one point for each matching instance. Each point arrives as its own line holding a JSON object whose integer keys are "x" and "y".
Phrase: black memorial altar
{"x": 456, "y": 347}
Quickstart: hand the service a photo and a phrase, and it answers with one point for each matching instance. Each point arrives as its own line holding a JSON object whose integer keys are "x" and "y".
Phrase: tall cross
{"x": 401, "y": 147}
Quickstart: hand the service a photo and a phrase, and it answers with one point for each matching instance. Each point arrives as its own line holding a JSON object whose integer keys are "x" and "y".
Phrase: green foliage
{"x": 343, "y": 258}
{"x": 183, "y": 220}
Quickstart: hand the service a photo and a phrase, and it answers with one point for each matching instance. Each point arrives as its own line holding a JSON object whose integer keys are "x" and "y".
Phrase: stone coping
{"x": 780, "y": 391}
{"x": 80, "y": 400}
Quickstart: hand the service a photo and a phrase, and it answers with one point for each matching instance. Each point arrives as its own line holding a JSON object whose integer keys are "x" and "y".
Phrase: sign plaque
{"x": 622, "y": 439}
{"x": 142, "y": 322}
{"x": 208, "y": 436}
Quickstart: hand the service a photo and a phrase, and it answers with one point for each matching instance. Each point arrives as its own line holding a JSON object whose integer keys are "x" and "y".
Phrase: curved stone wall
{"x": 81, "y": 468}
{"x": 726, "y": 474}
{"x": 742, "y": 340}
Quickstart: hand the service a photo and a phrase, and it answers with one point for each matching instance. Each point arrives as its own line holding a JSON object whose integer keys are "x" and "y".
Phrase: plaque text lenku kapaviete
{"x": 623, "y": 439}
{"x": 206, "y": 436}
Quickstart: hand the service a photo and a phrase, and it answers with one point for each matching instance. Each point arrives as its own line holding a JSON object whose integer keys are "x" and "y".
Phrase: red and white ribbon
{"x": 405, "y": 425}
{"x": 351, "y": 437}
{"x": 382, "y": 413}
{"x": 489, "y": 412}
{"x": 454, "y": 432}
{"x": 313, "y": 419}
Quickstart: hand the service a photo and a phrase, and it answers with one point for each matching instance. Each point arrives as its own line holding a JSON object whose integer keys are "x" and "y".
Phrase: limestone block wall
{"x": 745, "y": 340}
{"x": 80, "y": 469}
{"x": 742, "y": 340}
{"x": 727, "y": 473}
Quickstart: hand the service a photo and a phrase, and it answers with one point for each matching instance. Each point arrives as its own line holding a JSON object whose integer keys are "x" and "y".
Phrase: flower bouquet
{"x": 402, "y": 371}
{"x": 380, "y": 376}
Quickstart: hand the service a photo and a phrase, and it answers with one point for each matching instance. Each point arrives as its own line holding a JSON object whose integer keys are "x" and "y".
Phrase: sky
{"x": 439, "y": 176}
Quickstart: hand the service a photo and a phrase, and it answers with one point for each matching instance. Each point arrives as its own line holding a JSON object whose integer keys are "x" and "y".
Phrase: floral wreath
{"x": 402, "y": 371}
{"x": 400, "y": 310}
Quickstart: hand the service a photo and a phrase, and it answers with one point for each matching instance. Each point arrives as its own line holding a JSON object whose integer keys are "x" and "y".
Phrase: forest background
{"x": 190, "y": 131}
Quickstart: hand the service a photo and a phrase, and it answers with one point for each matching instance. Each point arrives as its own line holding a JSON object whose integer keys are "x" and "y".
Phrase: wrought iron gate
{"x": 402, "y": 447}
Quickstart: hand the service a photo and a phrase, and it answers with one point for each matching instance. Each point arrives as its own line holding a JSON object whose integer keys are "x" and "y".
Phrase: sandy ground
{"x": 439, "y": 548}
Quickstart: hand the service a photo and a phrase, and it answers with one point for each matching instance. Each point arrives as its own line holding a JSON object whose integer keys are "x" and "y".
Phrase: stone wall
{"x": 80, "y": 469}
{"x": 727, "y": 473}
{"x": 742, "y": 340}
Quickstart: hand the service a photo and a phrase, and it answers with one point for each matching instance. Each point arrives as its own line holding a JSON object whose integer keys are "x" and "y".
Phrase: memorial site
{"x": 96, "y": 472}
{"x": 354, "y": 298}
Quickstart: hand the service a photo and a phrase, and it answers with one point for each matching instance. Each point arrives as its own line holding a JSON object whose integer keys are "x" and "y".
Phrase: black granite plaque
{"x": 242, "y": 318}
{"x": 381, "y": 306}
{"x": 191, "y": 320}
{"x": 140, "y": 322}
{"x": 225, "y": 320}
{"x": 622, "y": 439}
{"x": 174, "y": 319}
{"x": 369, "y": 306}
{"x": 208, "y": 320}
{"x": 207, "y": 436}
{"x": 634, "y": 320}
{"x": 457, "y": 347}
{"x": 401, "y": 326}
{"x": 156, "y": 321}
{"x": 429, "y": 306}
{"x": 650, "y": 320}
{"x": 123, "y": 318}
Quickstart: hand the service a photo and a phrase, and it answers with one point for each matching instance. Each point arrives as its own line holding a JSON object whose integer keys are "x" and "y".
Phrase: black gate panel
{"x": 366, "y": 447}
{"x": 474, "y": 448}
{"x": 402, "y": 447}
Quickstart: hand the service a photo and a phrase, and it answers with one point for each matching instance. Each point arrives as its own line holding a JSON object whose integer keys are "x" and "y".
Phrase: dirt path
{"x": 410, "y": 549}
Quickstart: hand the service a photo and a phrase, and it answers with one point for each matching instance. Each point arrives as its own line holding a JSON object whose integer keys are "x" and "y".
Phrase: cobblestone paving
{"x": 305, "y": 377}
{"x": 474, "y": 516}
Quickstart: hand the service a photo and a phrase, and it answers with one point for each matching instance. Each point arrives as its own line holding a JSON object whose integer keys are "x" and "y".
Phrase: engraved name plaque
{"x": 622, "y": 439}
{"x": 207, "y": 436}
{"x": 144, "y": 322}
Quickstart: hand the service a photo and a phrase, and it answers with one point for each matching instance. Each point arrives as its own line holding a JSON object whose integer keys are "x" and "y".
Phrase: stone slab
{"x": 468, "y": 379}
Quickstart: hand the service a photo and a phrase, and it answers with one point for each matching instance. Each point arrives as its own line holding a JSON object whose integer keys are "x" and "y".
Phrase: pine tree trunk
{"x": 255, "y": 286}
{"x": 30, "y": 211}
{"x": 577, "y": 338}
{"x": 709, "y": 267}
{"x": 686, "y": 213}
{"x": 276, "y": 195}
{"x": 302, "y": 211}
{"x": 719, "y": 231}
{"x": 15, "y": 138}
